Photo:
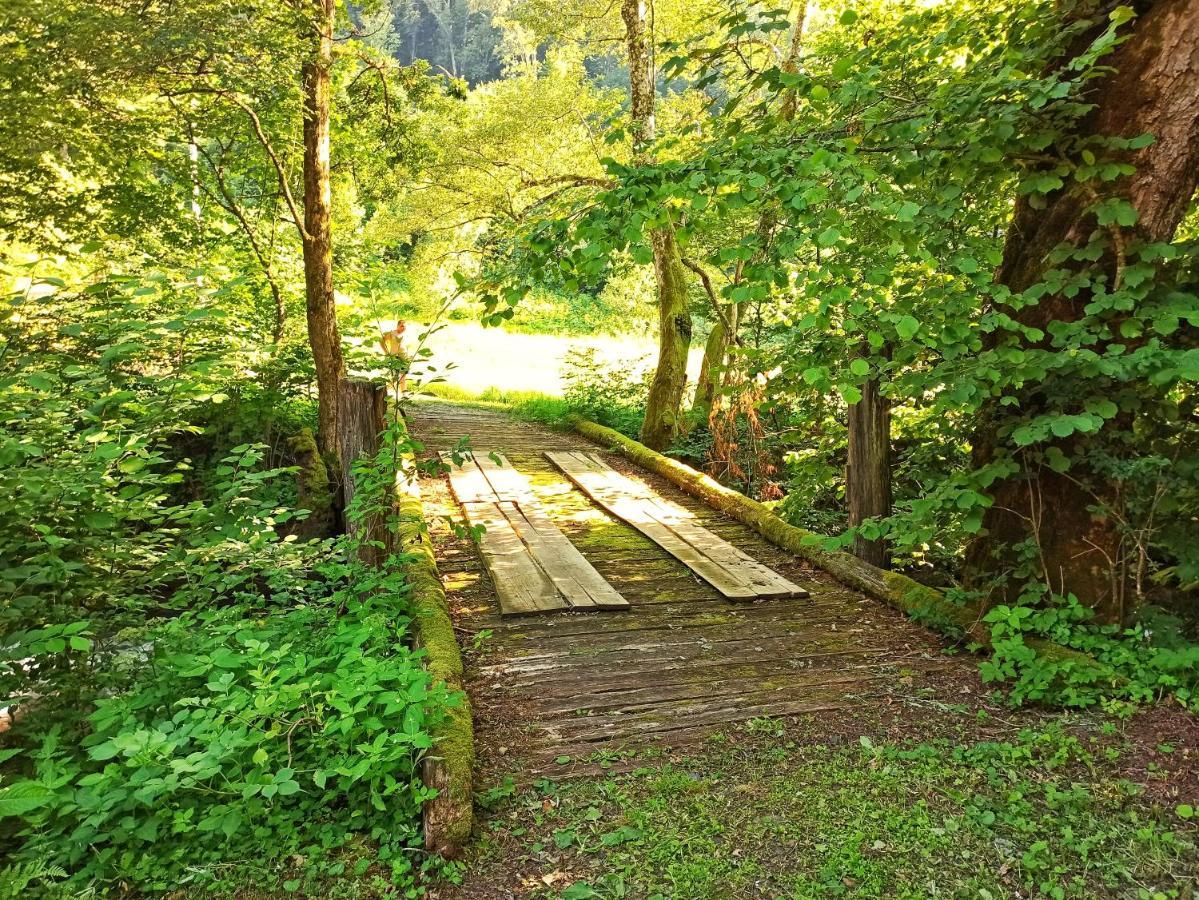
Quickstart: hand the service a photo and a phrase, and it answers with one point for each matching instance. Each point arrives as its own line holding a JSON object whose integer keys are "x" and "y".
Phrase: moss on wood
{"x": 927, "y": 605}
{"x": 449, "y": 817}
{"x": 315, "y": 493}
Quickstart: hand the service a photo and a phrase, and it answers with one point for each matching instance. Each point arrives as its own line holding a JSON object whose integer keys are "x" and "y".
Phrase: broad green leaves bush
{"x": 290, "y": 731}
{"x": 203, "y": 699}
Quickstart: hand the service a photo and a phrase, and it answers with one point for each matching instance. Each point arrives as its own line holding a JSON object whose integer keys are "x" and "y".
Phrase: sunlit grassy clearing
{"x": 473, "y": 360}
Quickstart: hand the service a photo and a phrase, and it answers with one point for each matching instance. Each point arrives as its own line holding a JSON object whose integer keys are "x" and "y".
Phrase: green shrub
{"x": 285, "y": 733}
{"x": 611, "y": 394}
{"x": 209, "y": 702}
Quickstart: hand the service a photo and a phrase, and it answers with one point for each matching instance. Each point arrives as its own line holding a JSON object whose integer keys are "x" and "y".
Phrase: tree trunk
{"x": 1154, "y": 88}
{"x": 363, "y": 415}
{"x": 323, "y": 334}
{"x": 663, "y": 407}
{"x": 664, "y": 404}
{"x": 868, "y": 471}
{"x": 715, "y": 351}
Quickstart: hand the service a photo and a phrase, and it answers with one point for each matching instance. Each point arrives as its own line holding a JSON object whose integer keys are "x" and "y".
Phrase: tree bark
{"x": 713, "y": 363}
{"x": 664, "y": 404}
{"x": 1154, "y": 88}
{"x": 663, "y": 407}
{"x": 363, "y": 417}
{"x": 868, "y": 471}
{"x": 323, "y": 334}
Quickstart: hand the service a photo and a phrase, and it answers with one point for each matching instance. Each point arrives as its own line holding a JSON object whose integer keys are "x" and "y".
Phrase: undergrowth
{"x": 200, "y": 700}
{"x": 1038, "y": 813}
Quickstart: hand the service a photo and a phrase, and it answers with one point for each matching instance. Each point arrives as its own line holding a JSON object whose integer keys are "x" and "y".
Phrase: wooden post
{"x": 868, "y": 472}
{"x": 362, "y": 408}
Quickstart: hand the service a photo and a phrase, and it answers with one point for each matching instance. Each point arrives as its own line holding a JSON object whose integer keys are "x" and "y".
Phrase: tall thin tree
{"x": 663, "y": 409}
{"x": 323, "y": 333}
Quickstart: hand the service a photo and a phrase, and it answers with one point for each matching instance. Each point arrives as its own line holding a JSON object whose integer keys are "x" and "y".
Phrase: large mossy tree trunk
{"x": 1154, "y": 88}
{"x": 664, "y": 405}
{"x": 868, "y": 470}
{"x": 323, "y": 334}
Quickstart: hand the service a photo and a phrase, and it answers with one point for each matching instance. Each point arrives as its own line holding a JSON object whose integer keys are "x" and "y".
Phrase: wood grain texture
{"x": 534, "y": 566}
{"x": 734, "y": 573}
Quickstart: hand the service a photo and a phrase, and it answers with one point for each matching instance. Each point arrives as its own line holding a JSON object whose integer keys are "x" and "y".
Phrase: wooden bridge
{"x": 562, "y": 688}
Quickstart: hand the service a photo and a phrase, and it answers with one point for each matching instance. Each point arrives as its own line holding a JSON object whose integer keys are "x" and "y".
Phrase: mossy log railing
{"x": 448, "y": 817}
{"x": 927, "y": 605}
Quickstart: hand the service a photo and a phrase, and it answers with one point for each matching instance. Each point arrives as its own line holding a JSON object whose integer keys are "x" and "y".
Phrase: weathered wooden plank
{"x": 468, "y": 481}
{"x": 507, "y": 483}
{"x": 546, "y": 570}
{"x": 731, "y": 571}
{"x": 574, "y": 577}
{"x": 520, "y": 584}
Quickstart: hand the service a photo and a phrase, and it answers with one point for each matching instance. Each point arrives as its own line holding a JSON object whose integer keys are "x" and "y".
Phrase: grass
{"x": 759, "y": 814}
{"x": 475, "y": 359}
{"x": 532, "y": 406}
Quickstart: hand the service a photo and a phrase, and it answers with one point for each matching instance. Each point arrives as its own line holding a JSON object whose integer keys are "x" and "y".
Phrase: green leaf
{"x": 859, "y": 367}
{"x": 622, "y": 835}
{"x": 848, "y": 17}
{"x": 906, "y": 327}
{"x": 22, "y": 797}
{"x": 1057, "y": 460}
{"x": 828, "y": 237}
{"x": 1185, "y": 811}
{"x": 1063, "y": 426}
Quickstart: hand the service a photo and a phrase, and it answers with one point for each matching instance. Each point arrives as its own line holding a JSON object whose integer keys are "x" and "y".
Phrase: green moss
{"x": 314, "y": 488}
{"x": 449, "y": 817}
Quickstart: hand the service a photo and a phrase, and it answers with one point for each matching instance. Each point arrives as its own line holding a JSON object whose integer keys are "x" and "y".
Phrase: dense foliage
{"x": 204, "y": 686}
{"x": 190, "y": 676}
{"x": 207, "y": 687}
{"x": 847, "y": 206}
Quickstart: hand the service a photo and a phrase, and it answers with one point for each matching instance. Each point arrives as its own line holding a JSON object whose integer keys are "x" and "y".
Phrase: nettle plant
{"x": 202, "y": 699}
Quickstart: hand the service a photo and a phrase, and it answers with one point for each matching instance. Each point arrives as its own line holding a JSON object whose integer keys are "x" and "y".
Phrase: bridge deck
{"x": 682, "y": 661}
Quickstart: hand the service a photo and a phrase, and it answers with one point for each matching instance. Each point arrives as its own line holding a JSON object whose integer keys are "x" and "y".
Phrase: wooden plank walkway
{"x": 734, "y": 573}
{"x": 682, "y": 662}
{"x": 534, "y": 567}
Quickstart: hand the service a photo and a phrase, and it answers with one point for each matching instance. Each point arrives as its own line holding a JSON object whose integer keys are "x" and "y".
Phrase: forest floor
{"x": 690, "y": 747}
